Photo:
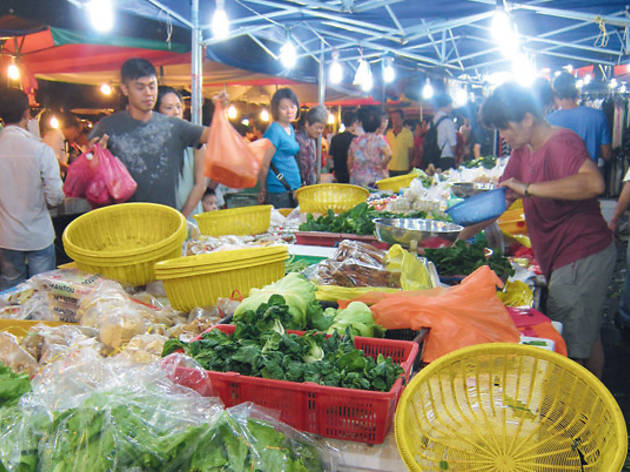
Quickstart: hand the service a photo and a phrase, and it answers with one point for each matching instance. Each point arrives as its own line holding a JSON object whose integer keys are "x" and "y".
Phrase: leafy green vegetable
{"x": 258, "y": 347}
{"x": 358, "y": 318}
{"x": 358, "y": 220}
{"x": 487, "y": 162}
{"x": 463, "y": 259}
{"x": 12, "y": 386}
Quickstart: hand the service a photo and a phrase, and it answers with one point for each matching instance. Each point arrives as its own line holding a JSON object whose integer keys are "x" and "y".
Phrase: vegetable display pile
{"x": 357, "y": 220}
{"x": 463, "y": 259}
{"x": 487, "y": 162}
{"x": 126, "y": 430}
{"x": 260, "y": 347}
{"x": 12, "y": 386}
{"x": 301, "y": 310}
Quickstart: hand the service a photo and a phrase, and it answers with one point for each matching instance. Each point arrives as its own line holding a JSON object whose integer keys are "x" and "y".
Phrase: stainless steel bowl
{"x": 468, "y": 189}
{"x": 429, "y": 233}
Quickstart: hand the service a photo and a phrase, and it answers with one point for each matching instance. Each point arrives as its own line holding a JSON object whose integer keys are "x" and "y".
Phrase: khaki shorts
{"x": 577, "y": 293}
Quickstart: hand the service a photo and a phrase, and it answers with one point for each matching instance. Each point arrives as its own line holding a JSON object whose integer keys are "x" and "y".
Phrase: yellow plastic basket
{"x": 320, "y": 198}
{"x": 20, "y": 328}
{"x": 508, "y": 407}
{"x": 200, "y": 280}
{"x": 242, "y": 220}
{"x": 123, "y": 242}
{"x": 395, "y": 183}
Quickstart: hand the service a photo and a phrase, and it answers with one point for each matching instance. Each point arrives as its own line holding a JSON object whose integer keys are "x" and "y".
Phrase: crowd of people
{"x": 555, "y": 146}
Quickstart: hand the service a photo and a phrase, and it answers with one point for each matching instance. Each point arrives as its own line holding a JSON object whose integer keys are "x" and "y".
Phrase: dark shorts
{"x": 577, "y": 293}
{"x": 281, "y": 200}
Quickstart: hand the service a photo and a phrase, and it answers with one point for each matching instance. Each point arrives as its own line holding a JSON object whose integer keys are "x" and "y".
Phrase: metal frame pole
{"x": 321, "y": 94}
{"x": 196, "y": 97}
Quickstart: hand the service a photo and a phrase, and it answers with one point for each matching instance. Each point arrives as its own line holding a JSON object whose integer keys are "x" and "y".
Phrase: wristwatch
{"x": 526, "y": 192}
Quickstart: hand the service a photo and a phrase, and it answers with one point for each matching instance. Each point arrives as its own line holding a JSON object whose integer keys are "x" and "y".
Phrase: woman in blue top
{"x": 280, "y": 159}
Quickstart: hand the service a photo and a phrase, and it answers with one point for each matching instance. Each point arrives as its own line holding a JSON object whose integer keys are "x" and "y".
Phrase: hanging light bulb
{"x": 504, "y": 32}
{"x": 288, "y": 54}
{"x": 220, "y": 22}
{"x": 427, "y": 90}
{"x": 106, "y": 89}
{"x": 363, "y": 77}
{"x": 101, "y": 14}
{"x": 331, "y": 119}
{"x": 342, "y": 128}
{"x": 13, "y": 72}
{"x": 461, "y": 97}
{"x": 389, "y": 73}
{"x": 579, "y": 83}
{"x": 587, "y": 79}
{"x": 54, "y": 122}
{"x": 264, "y": 115}
{"x": 523, "y": 70}
{"x": 232, "y": 112}
{"x": 335, "y": 74}
{"x": 245, "y": 121}
{"x": 612, "y": 84}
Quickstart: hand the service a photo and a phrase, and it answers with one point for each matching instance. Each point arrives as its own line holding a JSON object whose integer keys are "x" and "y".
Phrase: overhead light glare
{"x": 389, "y": 73}
{"x": 288, "y": 55}
{"x": 587, "y": 79}
{"x": 13, "y": 72}
{"x": 232, "y": 112}
{"x": 427, "y": 90}
{"x": 220, "y": 22}
{"x": 335, "y": 73}
{"x": 264, "y": 116}
{"x": 101, "y": 14}
{"x": 331, "y": 119}
{"x": 54, "y": 122}
{"x": 245, "y": 121}
{"x": 612, "y": 84}
{"x": 106, "y": 89}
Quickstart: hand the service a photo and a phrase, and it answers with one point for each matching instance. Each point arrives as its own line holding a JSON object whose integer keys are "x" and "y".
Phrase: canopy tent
{"x": 61, "y": 55}
{"x": 449, "y": 38}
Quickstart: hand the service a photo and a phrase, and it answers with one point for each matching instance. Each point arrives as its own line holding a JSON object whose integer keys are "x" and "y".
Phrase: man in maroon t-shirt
{"x": 551, "y": 169}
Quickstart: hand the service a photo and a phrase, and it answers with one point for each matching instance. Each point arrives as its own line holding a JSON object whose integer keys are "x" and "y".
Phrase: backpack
{"x": 431, "y": 151}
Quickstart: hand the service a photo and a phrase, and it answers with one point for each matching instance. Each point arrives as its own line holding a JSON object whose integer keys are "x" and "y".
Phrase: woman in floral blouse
{"x": 369, "y": 153}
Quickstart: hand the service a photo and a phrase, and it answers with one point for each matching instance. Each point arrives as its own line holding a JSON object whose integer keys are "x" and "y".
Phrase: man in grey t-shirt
{"x": 150, "y": 144}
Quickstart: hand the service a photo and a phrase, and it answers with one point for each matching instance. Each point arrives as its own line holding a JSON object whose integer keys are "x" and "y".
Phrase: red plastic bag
{"x": 97, "y": 193}
{"x": 466, "y": 314}
{"x": 79, "y": 175}
{"x": 120, "y": 184}
{"x": 229, "y": 158}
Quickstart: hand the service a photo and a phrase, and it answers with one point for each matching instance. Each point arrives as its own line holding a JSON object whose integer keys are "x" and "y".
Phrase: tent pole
{"x": 321, "y": 83}
{"x": 196, "y": 66}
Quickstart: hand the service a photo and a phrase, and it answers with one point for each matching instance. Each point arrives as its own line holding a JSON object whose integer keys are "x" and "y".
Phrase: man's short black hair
{"x": 509, "y": 102}
{"x": 13, "y": 104}
{"x": 133, "y": 69}
{"x": 279, "y": 95}
{"x": 564, "y": 86}
{"x": 399, "y": 112}
{"x": 543, "y": 92}
{"x": 208, "y": 193}
{"x": 348, "y": 118}
{"x": 370, "y": 118}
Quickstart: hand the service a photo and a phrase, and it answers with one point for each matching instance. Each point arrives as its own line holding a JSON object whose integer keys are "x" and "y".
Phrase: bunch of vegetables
{"x": 487, "y": 162}
{"x": 301, "y": 310}
{"x": 357, "y": 220}
{"x": 463, "y": 259}
{"x": 12, "y": 386}
{"x": 261, "y": 347}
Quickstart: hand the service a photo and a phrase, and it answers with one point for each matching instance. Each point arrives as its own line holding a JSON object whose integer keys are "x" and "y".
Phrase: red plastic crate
{"x": 333, "y": 412}
{"x": 323, "y": 238}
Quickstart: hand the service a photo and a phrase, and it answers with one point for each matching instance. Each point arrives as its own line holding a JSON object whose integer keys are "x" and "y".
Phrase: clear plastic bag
{"x": 15, "y": 356}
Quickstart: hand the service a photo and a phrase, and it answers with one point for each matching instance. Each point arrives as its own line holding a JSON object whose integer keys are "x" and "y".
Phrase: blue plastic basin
{"x": 478, "y": 208}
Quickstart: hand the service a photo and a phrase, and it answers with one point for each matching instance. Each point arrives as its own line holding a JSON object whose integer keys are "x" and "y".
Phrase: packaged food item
{"x": 69, "y": 283}
{"x": 14, "y": 356}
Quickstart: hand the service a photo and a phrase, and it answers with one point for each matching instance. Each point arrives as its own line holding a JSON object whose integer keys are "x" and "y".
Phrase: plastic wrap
{"x": 50, "y": 343}
{"x": 144, "y": 348}
{"x": 15, "y": 356}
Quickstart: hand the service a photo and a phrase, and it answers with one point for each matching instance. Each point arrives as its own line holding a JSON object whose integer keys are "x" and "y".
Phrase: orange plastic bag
{"x": 229, "y": 159}
{"x": 469, "y": 313}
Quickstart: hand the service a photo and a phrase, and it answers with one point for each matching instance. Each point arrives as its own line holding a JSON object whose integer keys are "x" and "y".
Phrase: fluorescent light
{"x": 500, "y": 24}
{"x": 389, "y": 73}
{"x": 220, "y": 22}
{"x": 288, "y": 55}
{"x": 232, "y": 112}
{"x": 13, "y": 72}
{"x": 363, "y": 78}
{"x": 427, "y": 90}
{"x": 264, "y": 115}
{"x": 101, "y": 15}
{"x": 335, "y": 73}
{"x": 106, "y": 89}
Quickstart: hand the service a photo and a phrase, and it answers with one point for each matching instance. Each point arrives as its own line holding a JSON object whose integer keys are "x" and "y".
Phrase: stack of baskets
{"x": 396, "y": 183}
{"x": 200, "y": 280}
{"x": 243, "y": 220}
{"x": 336, "y": 197}
{"x": 123, "y": 242}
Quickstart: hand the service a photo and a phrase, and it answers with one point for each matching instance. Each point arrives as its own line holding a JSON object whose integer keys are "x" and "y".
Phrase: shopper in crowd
{"x": 209, "y": 200}
{"x": 29, "y": 183}
{"x": 552, "y": 170}
{"x": 314, "y": 123}
{"x": 418, "y": 141}
{"x": 279, "y": 174}
{"x": 591, "y": 125}
{"x": 463, "y": 151}
{"x": 151, "y": 145}
{"x": 192, "y": 183}
{"x": 543, "y": 92}
{"x": 51, "y": 134}
{"x": 382, "y": 129}
{"x": 446, "y": 132}
{"x": 75, "y": 136}
{"x": 340, "y": 144}
{"x": 400, "y": 140}
{"x": 369, "y": 153}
